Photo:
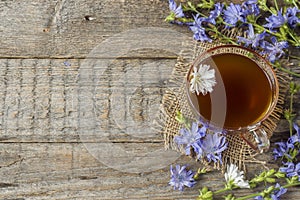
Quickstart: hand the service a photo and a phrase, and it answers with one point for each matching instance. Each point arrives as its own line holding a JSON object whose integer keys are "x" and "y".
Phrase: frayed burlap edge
{"x": 174, "y": 99}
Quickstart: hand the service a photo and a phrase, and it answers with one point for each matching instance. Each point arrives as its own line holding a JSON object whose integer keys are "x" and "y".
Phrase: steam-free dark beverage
{"x": 247, "y": 88}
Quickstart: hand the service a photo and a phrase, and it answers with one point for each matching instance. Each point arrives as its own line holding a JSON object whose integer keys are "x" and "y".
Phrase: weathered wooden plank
{"x": 47, "y": 171}
{"x": 59, "y": 29}
{"x": 68, "y": 171}
{"x": 41, "y": 98}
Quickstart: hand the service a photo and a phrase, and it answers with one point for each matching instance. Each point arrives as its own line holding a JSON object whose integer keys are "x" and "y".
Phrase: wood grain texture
{"x": 42, "y": 152}
{"x": 40, "y": 99}
{"x": 68, "y": 171}
{"x": 59, "y": 29}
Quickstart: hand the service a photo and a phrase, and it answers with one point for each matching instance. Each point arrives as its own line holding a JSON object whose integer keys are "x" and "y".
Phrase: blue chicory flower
{"x": 233, "y": 14}
{"x": 190, "y": 137}
{"x": 181, "y": 177}
{"x": 295, "y": 138}
{"x": 275, "y": 21}
{"x": 291, "y": 16}
{"x": 252, "y": 39}
{"x": 275, "y": 49}
{"x": 250, "y": 7}
{"x": 282, "y": 150}
{"x": 212, "y": 147}
{"x": 275, "y": 195}
{"x": 199, "y": 30}
{"x": 259, "y": 198}
{"x": 215, "y": 13}
{"x": 176, "y": 10}
{"x": 291, "y": 169}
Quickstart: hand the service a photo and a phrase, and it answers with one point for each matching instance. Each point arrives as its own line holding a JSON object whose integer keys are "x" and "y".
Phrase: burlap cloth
{"x": 174, "y": 99}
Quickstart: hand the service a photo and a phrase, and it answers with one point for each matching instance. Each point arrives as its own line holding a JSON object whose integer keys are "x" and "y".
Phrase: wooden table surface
{"x": 65, "y": 135}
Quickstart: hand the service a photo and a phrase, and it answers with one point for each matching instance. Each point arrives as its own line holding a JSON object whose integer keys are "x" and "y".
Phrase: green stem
{"x": 295, "y": 57}
{"x": 258, "y": 194}
{"x": 293, "y": 41}
{"x": 291, "y": 185}
{"x": 192, "y": 8}
{"x": 222, "y": 190}
{"x": 248, "y": 196}
{"x": 289, "y": 71}
{"x": 291, "y": 120}
{"x": 276, "y": 5}
{"x": 295, "y": 4}
{"x": 223, "y": 36}
{"x": 267, "y": 30}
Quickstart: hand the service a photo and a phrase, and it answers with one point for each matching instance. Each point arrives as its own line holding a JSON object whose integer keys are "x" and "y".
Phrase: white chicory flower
{"x": 202, "y": 80}
{"x": 237, "y": 177}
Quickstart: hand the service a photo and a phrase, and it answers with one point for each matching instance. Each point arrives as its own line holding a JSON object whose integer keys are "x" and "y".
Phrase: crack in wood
{"x": 12, "y": 163}
{"x": 4, "y": 185}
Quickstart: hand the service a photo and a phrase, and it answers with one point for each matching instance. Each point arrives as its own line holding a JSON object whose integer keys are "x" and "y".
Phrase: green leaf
{"x": 288, "y": 115}
{"x": 262, "y": 4}
{"x": 283, "y": 33}
{"x": 229, "y": 197}
{"x": 191, "y": 6}
{"x": 270, "y": 180}
{"x": 206, "y": 4}
{"x": 251, "y": 19}
{"x": 270, "y": 172}
{"x": 280, "y": 175}
{"x": 288, "y": 1}
{"x": 273, "y": 10}
{"x": 205, "y": 194}
{"x": 259, "y": 28}
{"x": 294, "y": 152}
{"x": 170, "y": 17}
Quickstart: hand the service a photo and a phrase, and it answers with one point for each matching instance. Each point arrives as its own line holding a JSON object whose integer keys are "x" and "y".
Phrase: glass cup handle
{"x": 262, "y": 142}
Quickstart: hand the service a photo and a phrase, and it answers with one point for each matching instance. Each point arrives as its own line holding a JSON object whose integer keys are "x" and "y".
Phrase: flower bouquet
{"x": 269, "y": 29}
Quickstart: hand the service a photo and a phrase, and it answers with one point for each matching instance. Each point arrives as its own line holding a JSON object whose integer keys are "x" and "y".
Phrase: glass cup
{"x": 245, "y": 93}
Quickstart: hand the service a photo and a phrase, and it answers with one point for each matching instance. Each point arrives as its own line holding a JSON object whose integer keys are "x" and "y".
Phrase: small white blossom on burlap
{"x": 202, "y": 80}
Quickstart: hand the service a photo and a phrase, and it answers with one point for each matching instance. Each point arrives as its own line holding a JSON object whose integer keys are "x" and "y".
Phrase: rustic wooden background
{"x": 41, "y": 152}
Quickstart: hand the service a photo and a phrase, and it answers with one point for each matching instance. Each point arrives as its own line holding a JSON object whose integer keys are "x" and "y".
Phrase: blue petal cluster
{"x": 291, "y": 169}
{"x": 255, "y": 40}
{"x": 197, "y": 26}
{"x": 212, "y": 147}
{"x": 199, "y": 30}
{"x": 276, "y": 194}
{"x": 190, "y": 137}
{"x": 296, "y": 137}
{"x": 215, "y": 13}
{"x": 181, "y": 177}
{"x": 176, "y": 10}
{"x": 275, "y": 49}
{"x": 290, "y": 17}
{"x": 233, "y": 14}
{"x": 208, "y": 146}
{"x": 250, "y": 7}
{"x": 284, "y": 148}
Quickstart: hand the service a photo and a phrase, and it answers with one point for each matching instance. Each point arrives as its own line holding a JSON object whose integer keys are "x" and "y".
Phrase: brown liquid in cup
{"x": 247, "y": 88}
